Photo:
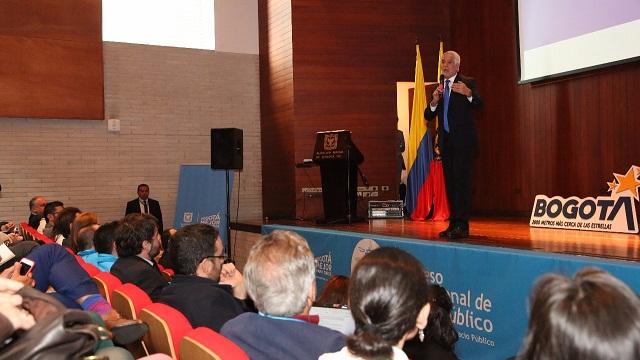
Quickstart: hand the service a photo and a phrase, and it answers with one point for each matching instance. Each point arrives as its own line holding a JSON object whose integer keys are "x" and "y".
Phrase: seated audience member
{"x": 388, "y": 299}
{"x": 104, "y": 253}
{"x": 166, "y": 237}
{"x": 91, "y": 235}
{"x": 81, "y": 221}
{"x": 12, "y": 316}
{"x": 440, "y": 336}
{"x": 207, "y": 292}
{"x": 36, "y": 211}
{"x": 138, "y": 243}
{"x": 9, "y": 233}
{"x": 335, "y": 292}
{"x": 51, "y": 210}
{"x": 62, "y": 227}
{"x": 18, "y": 246}
{"x": 280, "y": 278}
{"x": 55, "y": 267}
{"x": 24, "y": 308}
{"x": 6, "y": 226}
{"x": 592, "y": 316}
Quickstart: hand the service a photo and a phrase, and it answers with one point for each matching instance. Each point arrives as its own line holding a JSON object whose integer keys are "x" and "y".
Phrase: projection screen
{"x": 560, "y": 37}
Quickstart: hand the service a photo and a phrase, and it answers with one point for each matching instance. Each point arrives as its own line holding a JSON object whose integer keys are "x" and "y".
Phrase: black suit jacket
{"x": 135, "y": 270}
{"x": 203, "y": 301}
{"x": 133, "y": 206}
{"x": 34, "y": 221}
{"x": 462, "y": 127}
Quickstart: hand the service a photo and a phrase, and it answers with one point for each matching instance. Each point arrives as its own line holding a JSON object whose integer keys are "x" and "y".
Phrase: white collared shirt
{"x": 451, "y": 81}
{"x": 142, "y": 202}
{"x": 148, "y": 261}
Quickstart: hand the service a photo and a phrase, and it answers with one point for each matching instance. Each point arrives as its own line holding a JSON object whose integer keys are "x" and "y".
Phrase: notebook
{"x": 334, "y": 318}
{"x": 5, "y": 254}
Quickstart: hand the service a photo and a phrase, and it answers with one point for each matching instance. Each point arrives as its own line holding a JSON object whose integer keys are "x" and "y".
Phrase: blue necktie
{"x": 446, "y": 105}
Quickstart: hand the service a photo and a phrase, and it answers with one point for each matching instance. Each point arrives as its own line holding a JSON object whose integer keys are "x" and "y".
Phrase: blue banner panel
{"x": 202, "y": 198}
{"x": 489, "y": 287}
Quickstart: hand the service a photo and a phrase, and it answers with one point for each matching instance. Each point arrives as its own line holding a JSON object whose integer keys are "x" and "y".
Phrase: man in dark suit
{"x": 138, "y": 243}
{"x": 207, "y": 291}
{"x": 36, "y": 208}
{"x": 145, "y": 205}
{"x": 454, "y": 101}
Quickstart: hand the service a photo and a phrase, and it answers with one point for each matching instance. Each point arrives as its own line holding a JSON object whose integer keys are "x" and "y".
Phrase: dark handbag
{"x": 58, "y": 333}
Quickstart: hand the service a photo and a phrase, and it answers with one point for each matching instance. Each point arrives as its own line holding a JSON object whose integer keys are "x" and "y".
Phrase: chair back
{"x": 128, "y": 300}
{"x": 204, "y": 343}
{"x": 167, "y": 326}
{"x": 106, "y": 283}
{"x": 91, "y": 269}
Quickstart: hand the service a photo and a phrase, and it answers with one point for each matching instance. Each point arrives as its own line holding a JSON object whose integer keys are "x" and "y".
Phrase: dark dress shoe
{"x": 445, "y": 234}
{"x": 458, "y": 233}
{"x": 126, "y": 331}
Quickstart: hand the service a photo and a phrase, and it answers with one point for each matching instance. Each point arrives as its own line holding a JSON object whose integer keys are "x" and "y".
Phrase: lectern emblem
{"x": 330, "y": 141}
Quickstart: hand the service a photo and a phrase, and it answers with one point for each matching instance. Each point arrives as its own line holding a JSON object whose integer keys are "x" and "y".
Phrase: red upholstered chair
{"x": 91, "y": 269}
{"x": 204, "y": 343}
{"x": 167, "y": 326}
{"x": 128, "y": 300}
{"x": 106, "y": 284}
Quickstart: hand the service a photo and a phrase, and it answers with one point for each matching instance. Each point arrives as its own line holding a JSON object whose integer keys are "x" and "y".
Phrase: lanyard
{"x": 279, "y": 317}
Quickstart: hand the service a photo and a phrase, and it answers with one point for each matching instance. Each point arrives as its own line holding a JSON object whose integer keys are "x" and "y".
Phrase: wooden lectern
{"x": 338, "y": 158}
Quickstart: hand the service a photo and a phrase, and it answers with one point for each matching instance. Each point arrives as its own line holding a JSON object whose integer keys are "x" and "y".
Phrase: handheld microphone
{"x": 441, "y": 84}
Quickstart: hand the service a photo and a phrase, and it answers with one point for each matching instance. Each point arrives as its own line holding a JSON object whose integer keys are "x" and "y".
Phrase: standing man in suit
{"x": 454, "y": 101}
{"x": 144, "y": 205}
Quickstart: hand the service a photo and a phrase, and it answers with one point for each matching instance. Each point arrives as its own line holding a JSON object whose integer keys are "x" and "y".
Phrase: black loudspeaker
{"x": 226, "y": 148}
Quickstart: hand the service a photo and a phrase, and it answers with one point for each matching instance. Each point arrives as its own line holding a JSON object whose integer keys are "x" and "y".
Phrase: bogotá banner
{"x": 202, "y": 197}
{"x": 614, "y": 213}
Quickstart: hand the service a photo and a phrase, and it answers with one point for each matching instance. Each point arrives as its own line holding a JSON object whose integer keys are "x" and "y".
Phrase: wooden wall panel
{"x": 562, "y": 137}
{"x": 77, "y": 20}
{"x": 336, "y": 68}
{"x": 276, "y": 108}
{"x": 348, "y": 57}
{"x": 51, "y": 63}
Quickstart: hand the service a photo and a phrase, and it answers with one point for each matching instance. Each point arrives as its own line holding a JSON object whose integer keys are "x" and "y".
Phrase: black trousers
{"x": 457, "y": 163}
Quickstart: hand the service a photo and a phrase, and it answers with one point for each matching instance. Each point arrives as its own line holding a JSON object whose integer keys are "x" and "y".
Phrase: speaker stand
{"x": 228, "y": 215}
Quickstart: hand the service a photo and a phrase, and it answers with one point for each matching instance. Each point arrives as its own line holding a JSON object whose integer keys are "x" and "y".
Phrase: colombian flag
{"x": 420, "y": 151}
{"x": 435, "y": 182}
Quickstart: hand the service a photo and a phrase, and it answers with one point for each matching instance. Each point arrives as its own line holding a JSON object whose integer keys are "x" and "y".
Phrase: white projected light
{"x": 559, "y": 37}
{"x": 178, "y": 23}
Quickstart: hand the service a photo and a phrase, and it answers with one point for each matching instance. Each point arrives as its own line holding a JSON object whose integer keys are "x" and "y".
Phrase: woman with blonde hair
{"x": 81, "y": 221}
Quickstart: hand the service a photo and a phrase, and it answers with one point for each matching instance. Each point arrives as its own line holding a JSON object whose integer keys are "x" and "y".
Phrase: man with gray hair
{"x": 454, "y": 102}
{"x": 280, "y": 278}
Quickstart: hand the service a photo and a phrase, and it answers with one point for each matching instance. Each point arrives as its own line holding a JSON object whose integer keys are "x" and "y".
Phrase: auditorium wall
{"x": 331, "y": 65}
{"x": 559, "y": 137}
{"x": 167, "y": 100}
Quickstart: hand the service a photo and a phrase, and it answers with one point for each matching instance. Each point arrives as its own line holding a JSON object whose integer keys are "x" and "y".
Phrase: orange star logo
{"x": 612, "y": 185}
{"x": 628, "y": 182}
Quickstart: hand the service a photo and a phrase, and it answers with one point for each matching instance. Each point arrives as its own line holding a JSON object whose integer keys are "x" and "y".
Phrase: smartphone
{"x": 26, "y": 266}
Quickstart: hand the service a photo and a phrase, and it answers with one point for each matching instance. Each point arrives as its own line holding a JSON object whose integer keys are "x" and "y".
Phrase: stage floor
{"x": 506, "y": 233}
